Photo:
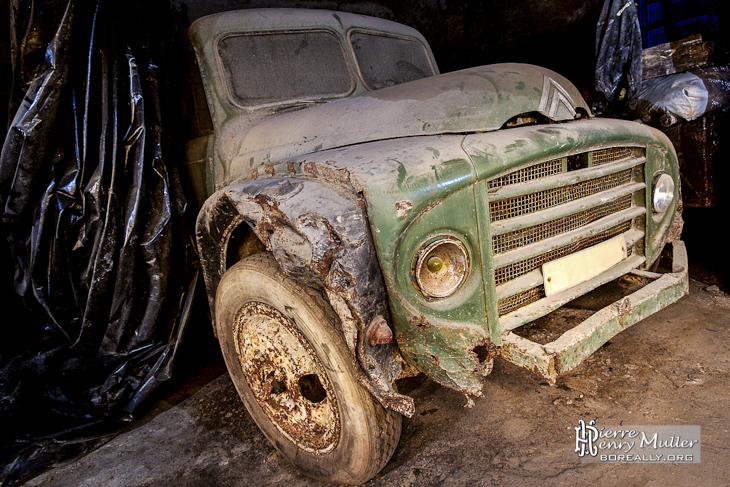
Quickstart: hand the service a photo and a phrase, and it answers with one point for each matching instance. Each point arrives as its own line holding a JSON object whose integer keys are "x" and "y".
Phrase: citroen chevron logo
{"x": 553, "y": 95}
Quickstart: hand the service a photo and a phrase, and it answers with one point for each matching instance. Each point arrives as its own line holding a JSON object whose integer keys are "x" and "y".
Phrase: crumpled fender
{"x": 319, "y": 235}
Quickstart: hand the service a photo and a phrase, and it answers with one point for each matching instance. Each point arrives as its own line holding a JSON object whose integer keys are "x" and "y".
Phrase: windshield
{"x": 387, "y": 60}
{"x": 271, "y": 68}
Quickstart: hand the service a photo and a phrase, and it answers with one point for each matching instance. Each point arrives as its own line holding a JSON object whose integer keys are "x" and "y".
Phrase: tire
{"x": 285, "y": 353}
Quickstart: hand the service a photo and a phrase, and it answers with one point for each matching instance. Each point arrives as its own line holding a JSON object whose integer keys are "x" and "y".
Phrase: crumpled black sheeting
{"x": 93, "y": 217}
{"x": 618, "y": 50}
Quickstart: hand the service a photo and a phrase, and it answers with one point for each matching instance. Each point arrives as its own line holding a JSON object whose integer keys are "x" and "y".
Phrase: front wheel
{"x": 289, "y": 362}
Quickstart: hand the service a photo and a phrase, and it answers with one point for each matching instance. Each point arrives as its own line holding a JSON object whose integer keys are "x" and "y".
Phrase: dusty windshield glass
{"x": 387, "y": 60}
{"x": 269, "y": 68}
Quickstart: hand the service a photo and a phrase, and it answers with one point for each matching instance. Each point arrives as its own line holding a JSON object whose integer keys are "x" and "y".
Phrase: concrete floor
{"x": 672, "y": 368}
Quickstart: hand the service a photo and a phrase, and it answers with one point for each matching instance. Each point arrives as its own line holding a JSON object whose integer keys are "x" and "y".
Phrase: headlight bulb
{"x": 442, "y": 267}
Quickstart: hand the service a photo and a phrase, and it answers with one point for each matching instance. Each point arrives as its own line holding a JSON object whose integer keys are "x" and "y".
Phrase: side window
{"x": 387, "y": 60}
{"x": 276, "y": 67}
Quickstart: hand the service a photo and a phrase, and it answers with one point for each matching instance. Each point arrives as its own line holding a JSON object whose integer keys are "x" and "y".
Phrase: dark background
{"x": 557, "y": 34}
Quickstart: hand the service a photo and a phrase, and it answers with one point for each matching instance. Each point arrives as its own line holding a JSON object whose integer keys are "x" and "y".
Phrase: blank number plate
{"x": 582, "y": 265}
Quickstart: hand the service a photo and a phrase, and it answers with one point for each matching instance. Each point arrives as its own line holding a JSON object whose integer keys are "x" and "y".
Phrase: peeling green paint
{"x": 517, "y": 145}
{"x": 436, "y": 153}
{"x": 402, "y": 173}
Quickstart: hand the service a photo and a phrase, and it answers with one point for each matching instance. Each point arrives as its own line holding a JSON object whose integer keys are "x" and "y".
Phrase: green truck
{"x": 365, "y": 218}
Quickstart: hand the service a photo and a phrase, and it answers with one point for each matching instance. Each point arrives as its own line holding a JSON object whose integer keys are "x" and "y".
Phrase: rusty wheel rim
{"x": 286, "y": 377}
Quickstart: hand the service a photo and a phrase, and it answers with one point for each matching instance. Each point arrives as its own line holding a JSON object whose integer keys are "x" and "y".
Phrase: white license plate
{"x": 583, "y": 265}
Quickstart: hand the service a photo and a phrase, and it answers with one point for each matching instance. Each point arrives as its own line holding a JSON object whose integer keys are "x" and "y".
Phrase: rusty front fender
{"x": 318, "y": 235}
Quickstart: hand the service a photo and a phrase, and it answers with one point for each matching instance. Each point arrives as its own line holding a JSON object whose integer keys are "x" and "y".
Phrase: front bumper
{"x": 570, "y": 349}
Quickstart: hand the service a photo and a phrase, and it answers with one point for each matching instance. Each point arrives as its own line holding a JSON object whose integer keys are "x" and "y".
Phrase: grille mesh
{"x": 519, "y": 238}
{"x": 555, "y": 166}
{"x": 605, "y": 156}
{"x": 507, "y": 305}
{"x": 529, "y": 173}
{"x": 530, "y": 203}
{"x": 512, "y": 271}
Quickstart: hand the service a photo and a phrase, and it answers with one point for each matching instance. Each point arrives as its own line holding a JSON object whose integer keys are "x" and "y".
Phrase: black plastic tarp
{"x": 618, "y": 51}
{"x": 686, "y": 96}
{"x": 93, "y": 219}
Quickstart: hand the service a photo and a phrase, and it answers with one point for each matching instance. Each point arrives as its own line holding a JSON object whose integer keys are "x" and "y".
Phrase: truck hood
{"x": 472, "y": 100}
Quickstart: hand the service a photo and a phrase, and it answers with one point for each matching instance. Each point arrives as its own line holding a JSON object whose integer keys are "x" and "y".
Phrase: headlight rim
{"x": 421, "y": 260}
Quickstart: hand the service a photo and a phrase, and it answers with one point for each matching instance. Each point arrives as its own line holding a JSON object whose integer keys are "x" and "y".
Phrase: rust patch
{"x": 310, "y": 169}
{"x": 675, "y": 229}
{"x": 269, "y": 169}
{"x": 291, "y": 168}
{"x": 484, "y": 352}
{"x": 328, "y": 172}
{"x": 402, "y": 208}
{"x": 557, "y": 368}
{"x": 624, "y": 306}
{"x": 419, "y": 321}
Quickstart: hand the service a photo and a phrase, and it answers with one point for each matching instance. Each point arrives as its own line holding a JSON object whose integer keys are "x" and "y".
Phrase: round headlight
{"x": 442, "y": 267}
{"x": 663, "y": 193}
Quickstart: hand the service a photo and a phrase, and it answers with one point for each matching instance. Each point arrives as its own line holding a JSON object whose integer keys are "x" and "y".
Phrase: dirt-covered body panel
{"x": 479, "y": 99}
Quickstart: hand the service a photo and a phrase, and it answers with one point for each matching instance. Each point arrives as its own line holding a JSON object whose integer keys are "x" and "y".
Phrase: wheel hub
{"x": 286, "y": 377}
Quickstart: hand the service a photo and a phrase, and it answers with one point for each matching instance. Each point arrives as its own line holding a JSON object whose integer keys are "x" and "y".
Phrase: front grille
{"x": 519, "y": 238}
{"x": 501, "y": 210}
{"x": 601, "y": 210}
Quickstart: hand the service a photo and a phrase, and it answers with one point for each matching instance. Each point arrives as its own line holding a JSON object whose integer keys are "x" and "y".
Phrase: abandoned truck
{"x": 365, "y": 218}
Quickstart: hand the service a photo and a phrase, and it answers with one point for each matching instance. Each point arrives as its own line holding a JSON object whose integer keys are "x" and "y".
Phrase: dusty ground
{"x": 673, "y": 368}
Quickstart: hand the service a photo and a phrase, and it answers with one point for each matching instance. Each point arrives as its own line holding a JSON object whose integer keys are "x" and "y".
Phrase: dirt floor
{"x": 671, "y": 369}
